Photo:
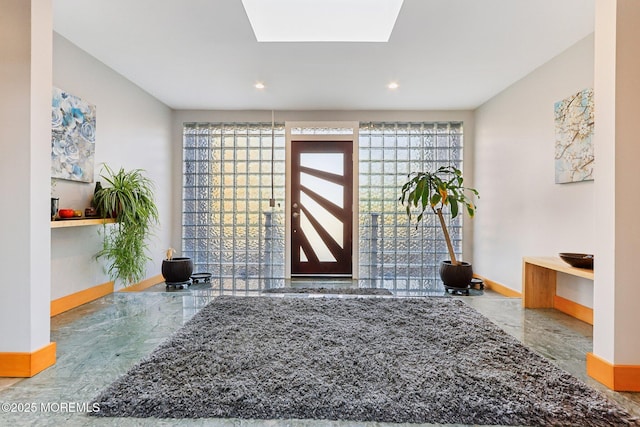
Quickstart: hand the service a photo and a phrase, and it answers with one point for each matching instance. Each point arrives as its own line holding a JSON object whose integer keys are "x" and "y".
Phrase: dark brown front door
{"x": 321, "y": 207}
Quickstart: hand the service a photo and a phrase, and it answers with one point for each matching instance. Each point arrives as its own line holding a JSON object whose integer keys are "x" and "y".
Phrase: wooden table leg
{"x": 538, "y": 286}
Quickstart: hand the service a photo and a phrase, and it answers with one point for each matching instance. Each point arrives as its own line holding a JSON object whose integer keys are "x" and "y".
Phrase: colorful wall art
{"x": 73, "y": 137}
{"x": 574, "y": 134}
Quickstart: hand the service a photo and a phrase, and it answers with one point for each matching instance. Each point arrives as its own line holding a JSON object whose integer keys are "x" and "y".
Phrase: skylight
{"x": 322, "y": 20}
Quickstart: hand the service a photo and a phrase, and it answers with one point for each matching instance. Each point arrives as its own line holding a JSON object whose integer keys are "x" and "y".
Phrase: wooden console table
{"x": 539, "y": 283}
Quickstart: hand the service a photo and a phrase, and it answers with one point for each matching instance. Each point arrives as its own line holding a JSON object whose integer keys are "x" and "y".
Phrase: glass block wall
{"x": 228, "y": 227}
{"x": 394, "y": 253}
{"x": 230, "y": 230}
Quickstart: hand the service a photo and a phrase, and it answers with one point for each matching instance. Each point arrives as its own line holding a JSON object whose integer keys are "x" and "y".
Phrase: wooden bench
{"x": 539, "y": 286}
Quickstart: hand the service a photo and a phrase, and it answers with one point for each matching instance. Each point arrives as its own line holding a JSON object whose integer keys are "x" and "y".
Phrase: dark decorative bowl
{"x": 577, "y": 260}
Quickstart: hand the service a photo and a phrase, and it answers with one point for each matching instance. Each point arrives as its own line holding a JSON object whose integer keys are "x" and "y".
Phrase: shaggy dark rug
{"x": 343, "y": 291}
{"x": 430, "y": 360}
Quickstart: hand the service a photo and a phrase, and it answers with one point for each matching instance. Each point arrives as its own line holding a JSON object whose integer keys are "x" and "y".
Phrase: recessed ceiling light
{"x": 322, "y": 20}
{"x": 259, "y": 85}
{"x": 393, "y": 85}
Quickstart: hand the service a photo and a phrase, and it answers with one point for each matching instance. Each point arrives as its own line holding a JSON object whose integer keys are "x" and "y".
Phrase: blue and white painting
{"x": 574, "y": 159}
{"x": 73, "y": 137}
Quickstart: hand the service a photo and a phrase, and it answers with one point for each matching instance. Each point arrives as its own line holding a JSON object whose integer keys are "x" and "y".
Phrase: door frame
{"x": 345, "y": 131}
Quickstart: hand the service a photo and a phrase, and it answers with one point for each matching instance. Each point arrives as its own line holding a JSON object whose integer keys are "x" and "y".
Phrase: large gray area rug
{"x": 430, "y": 360}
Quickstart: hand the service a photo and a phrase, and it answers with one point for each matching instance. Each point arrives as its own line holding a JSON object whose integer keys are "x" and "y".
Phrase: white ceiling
{"x": 445, "y": 54}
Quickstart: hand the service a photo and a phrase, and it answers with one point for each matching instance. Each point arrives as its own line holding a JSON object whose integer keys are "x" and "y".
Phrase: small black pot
{"x": 177, "y": 270}
{"x": 456, "y": 276}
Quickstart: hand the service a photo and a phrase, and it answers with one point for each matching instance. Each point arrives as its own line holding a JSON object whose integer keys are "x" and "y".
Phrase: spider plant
{"x": 128, "y": 197}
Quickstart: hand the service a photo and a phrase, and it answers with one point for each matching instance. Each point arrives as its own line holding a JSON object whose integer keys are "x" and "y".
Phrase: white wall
{"x": 522, "y": 212}
{"x": 617, "y": 88}
{"x": 133, "y": 130}
{"x": 25, "y": 76}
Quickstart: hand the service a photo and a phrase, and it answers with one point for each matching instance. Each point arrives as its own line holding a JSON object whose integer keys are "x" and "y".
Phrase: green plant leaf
{"x": 471, "y": 211}
{"x": 417, "y": 193}
{"x": 426, "y": 191}
{"x": 454, "y": 206}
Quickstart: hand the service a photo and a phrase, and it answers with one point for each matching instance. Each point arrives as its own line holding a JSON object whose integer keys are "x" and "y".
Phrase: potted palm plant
{"x": 128, "y": 197}
{"x": 434, "y": 191}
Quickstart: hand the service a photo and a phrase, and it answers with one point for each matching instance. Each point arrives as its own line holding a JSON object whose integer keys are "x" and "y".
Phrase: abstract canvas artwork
{"x": 574, "y": 133}
{"x": 73, "y": 137}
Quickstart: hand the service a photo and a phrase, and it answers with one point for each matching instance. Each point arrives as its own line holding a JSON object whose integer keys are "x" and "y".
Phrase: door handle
{"x": 295, "y": 214}
{"x": 295, "y": 206}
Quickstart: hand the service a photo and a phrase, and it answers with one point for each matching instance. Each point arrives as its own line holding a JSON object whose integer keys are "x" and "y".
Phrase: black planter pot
{"x": 456, "y": 276}
{"x": 177, "y": 270}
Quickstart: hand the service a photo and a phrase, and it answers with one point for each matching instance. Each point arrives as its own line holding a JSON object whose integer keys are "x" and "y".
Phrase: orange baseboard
{"x": 68, "y": 302}
{"x": 573, "y": 309}
{"x": 25, "y": 365}
{"x": 616, "y": 377}
{"x": 147, "y": 283}
{"x": 499, "y": 288}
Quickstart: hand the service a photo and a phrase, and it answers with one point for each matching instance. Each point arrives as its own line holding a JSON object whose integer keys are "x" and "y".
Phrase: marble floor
{"x": 99, "y": 341}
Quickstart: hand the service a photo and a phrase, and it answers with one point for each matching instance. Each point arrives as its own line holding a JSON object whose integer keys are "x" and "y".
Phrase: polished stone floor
{"x": 101, "y": 340}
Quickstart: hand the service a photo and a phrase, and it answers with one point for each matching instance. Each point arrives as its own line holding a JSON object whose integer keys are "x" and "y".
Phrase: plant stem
{"x": 447, "y": 239}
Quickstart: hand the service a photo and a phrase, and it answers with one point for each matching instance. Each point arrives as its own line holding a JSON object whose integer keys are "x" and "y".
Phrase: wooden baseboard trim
{"x": 573, "y": 309}
{"x": 147, "y": 283}
{"x": 616, "y": 377}
{"x": 499, "y": 288}
{"x": 26, "y": 365}
{"x": 68, "y": 302}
